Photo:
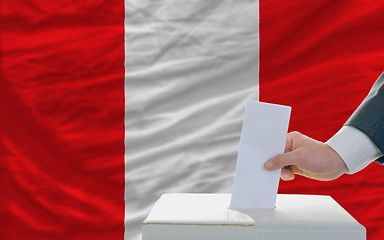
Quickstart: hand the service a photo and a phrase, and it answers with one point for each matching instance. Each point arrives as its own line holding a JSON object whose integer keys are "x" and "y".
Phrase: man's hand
{"x": 307, "y": 157}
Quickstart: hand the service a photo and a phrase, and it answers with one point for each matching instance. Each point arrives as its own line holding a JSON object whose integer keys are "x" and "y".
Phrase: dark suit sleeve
{"x": 369, "y": 116}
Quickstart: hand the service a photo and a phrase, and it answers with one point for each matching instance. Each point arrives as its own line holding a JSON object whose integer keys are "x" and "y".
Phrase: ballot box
{"x": 207, "y": 217}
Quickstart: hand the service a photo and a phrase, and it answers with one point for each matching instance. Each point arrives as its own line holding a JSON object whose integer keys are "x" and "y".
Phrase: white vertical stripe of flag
{"x": 190, "y": 67}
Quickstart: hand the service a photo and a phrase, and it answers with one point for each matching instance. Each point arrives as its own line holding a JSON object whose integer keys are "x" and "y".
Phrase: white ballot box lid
{"x": 207, "y": 216}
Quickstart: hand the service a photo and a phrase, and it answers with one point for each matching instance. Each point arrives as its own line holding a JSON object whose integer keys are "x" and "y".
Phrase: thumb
{"x": 282, "y": 160}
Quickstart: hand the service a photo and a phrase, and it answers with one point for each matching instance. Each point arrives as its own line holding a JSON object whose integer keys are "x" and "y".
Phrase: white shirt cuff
{"x": 354, "y": 147}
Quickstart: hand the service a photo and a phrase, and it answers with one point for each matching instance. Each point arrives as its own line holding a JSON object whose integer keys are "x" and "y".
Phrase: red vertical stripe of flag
{"x": 322, "y": 57}
{"x": 62, "y": 120}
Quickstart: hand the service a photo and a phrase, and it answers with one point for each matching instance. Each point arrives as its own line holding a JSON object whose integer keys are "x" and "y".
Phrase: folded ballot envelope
{"x": 208, "y": 217}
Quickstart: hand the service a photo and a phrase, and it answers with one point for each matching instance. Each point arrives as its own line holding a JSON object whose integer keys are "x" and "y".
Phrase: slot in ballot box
{"x": 207, "y": 217}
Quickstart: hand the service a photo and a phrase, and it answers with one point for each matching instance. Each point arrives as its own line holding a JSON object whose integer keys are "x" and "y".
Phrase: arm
{"x": 369, "y": 116}
{"x": 355, "y": 148}
{"x": 313, "y": 159}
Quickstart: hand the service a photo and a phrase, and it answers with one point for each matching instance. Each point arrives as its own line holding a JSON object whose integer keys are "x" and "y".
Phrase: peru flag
{"x": 106, "y": 105}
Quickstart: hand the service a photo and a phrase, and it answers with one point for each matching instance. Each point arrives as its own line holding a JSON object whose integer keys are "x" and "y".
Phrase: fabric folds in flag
{"x": 322, "y": 58}
{"x": 62, "y": 120}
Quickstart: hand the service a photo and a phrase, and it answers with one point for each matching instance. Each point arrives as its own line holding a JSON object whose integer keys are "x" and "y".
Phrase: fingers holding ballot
{"x": 307, "y": 157}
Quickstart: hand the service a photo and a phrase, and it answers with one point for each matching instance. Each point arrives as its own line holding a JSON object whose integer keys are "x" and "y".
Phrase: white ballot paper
{"x": 263, "y": 136}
